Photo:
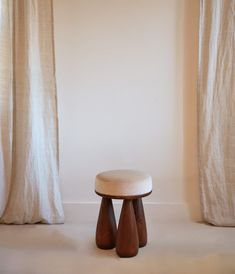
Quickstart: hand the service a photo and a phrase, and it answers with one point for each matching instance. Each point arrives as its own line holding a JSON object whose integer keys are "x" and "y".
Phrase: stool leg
{"x": 127, "y": 236}
{"x": 106, "y": 229}
{"x": 140, "y": 221}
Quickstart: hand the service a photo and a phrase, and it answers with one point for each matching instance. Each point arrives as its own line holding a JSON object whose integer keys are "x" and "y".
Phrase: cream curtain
{"x": 216, "y": 104}
{"x": 29, "y": 189}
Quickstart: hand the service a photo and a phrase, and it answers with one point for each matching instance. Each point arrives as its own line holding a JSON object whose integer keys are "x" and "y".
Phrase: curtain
{"x": 216, "y": 105}
{"x": 29, "y": 181}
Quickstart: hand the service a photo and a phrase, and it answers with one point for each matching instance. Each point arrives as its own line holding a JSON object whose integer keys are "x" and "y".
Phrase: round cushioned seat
{"x": 122, "y": 183}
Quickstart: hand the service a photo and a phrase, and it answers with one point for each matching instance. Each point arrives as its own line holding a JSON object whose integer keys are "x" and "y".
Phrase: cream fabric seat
{"x": 123, "y": 183}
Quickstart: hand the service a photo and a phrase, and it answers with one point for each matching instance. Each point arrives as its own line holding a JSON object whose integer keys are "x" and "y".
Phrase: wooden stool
{"x": 130, "y": 186}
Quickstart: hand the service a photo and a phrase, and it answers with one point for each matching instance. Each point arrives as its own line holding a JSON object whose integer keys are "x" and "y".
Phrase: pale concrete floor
{"x": 174, "y": 248}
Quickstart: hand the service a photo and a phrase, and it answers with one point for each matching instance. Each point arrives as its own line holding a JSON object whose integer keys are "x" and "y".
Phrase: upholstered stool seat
{"x": 119, "y": 183}
{"x": 131, "y": 186}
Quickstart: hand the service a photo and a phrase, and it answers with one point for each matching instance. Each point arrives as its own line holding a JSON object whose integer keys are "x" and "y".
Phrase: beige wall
{"x": 124, "y": 101}
{"x": 190, "y": 167}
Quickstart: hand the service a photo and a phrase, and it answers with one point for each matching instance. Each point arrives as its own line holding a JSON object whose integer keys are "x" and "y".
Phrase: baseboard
{"x": 88, "y": 212}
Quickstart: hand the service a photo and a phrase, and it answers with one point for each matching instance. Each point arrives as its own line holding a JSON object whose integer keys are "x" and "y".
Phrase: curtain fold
{"x": 216, "y": 105}
{"x": 29, "y": 180}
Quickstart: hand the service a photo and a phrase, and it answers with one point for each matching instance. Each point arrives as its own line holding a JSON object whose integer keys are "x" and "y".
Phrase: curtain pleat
{"x": 29, "y": 185}
{"x": 216, "y": 105}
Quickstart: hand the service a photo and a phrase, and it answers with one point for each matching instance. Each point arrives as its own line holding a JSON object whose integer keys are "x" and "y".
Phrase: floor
{"x": 174, "y": 248}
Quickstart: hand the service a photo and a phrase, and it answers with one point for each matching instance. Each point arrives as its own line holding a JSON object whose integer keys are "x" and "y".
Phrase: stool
{"x": 130, "y": 186}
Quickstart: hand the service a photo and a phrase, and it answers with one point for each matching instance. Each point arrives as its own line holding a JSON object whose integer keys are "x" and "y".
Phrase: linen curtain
{"x": 29, "y": 181}
{"x": 216, "y": 105}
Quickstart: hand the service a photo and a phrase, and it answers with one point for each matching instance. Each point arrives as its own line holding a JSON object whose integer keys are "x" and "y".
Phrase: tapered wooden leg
{"x": 127, "y": 236}
{"x": 106, "y": 230}
{"x": 140, "y": 221}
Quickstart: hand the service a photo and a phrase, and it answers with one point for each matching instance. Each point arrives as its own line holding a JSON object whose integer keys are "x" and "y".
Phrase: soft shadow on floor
{"x": 102, "y": 253}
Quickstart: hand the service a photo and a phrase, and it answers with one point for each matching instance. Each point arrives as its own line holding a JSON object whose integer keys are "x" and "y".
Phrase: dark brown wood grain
{"x": 140, "y": 221}
{"x": 127, "y": 236}
{"x": 121, "y": 197}
{"x": 106, "y": 230}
